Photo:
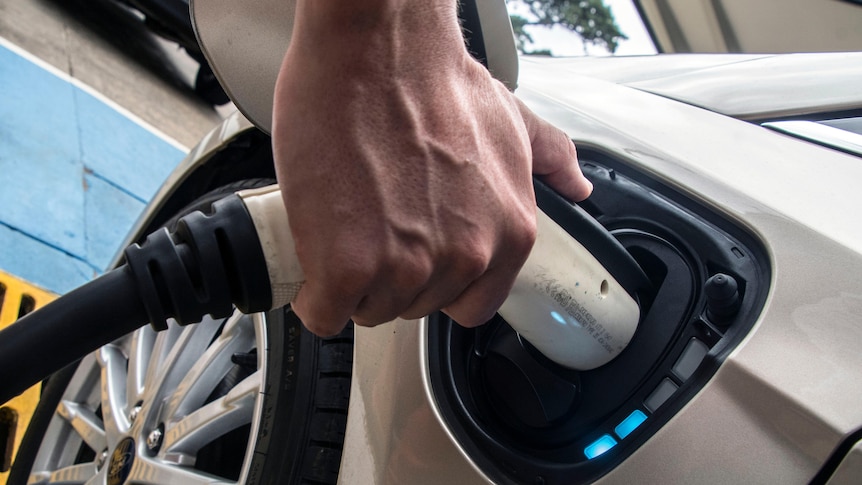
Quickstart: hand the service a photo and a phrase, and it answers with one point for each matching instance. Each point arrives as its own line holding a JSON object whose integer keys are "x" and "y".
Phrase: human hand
{"x": 405, "y": 167}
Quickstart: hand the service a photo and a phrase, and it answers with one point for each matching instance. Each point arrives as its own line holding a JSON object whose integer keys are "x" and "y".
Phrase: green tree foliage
{"x": 591, "y": 19}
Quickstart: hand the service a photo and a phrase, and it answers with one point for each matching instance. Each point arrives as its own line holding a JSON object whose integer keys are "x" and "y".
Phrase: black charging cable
{"x": 243, "y": 254}
{"x": 209, "y": 263}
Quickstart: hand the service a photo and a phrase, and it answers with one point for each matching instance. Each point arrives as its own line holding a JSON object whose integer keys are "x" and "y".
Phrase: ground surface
{"x": 95, "y": 113}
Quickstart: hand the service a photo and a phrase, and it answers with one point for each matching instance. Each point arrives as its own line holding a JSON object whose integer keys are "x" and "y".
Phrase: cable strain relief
{"x": 208, "y": 263}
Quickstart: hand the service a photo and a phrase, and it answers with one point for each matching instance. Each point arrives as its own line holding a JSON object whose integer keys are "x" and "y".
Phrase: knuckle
{"x": 521, "y": 236}
{"x": 471, "y": 261}
{"x": 411, "y": 274}
{"x": 527, "y": 233}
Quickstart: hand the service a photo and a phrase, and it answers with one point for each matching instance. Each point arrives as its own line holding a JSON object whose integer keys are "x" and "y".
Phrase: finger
{"x": 483, "y": 297}
{"x": 323, "y": 312}
{"x": 394, "y": 288}
{"x": 433, "y": 299}
{"x": 450, "y": 281}
{"x": 383, "y": 306}
{"x": 478, "y": 303}
{"x": 555, "y": 158}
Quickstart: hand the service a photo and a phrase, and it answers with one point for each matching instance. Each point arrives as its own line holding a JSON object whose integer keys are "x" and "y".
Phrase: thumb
{"x": 555, "y": 159}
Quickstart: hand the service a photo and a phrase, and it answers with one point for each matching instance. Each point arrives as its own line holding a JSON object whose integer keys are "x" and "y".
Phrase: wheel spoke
{"x": 100, "y": 477}
{"x": 140, "y": 353}
{"x": 113, "y": 364}
{"x": 211, "y": 367}
{"x": 38, "y": 478}
{"x": 208, "y": 423}
{"x": 75, "y": 474}
{"x": 85, "y": 423}
{"x": 163, "y": 375}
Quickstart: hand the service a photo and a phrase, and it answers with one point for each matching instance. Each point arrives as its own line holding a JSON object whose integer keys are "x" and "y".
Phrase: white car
{"x": 732, "y": 179}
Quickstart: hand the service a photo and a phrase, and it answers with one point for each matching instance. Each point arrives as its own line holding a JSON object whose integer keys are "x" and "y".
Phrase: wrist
{"x": 333, "y": 18}
{"x": 378, "y": 35}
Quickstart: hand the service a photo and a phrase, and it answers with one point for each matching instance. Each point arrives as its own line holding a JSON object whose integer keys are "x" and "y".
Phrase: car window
{"x": 844, "y": 134}
{"x": 853, "y": 125}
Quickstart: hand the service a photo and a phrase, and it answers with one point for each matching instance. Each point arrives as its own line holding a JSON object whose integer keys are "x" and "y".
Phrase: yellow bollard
{"x": 17, "y": 298}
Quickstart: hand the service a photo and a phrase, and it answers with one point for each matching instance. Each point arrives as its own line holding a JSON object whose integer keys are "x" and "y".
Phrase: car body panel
{"x": 395, "y": 433}
{"x": 245, "y": 42}
{"x": 197, "y": 159}
{"x": 781, "y": 403}
{"x": 777, "y": 170}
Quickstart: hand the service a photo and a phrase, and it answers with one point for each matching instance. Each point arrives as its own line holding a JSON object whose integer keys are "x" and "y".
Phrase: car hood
{"x": 746, "y": 86}
{"x": 614, "y": 109}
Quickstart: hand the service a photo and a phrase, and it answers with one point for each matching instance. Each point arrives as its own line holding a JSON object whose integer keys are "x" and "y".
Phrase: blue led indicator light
{"x": 632, "y": 421}
{"x": 559, "y": 318}
{"x": 600, "y": 446}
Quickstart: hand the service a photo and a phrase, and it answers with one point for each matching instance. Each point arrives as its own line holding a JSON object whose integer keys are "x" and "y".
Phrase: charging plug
{"x": 564, "y": 301}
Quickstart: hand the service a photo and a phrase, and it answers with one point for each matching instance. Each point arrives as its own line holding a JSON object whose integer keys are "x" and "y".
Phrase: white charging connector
{"x": 567, "y": 305}
{"x": 564, "y": 302}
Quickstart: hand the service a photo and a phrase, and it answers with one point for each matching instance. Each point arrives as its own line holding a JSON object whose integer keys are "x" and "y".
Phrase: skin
{"x": 405, "y": 167}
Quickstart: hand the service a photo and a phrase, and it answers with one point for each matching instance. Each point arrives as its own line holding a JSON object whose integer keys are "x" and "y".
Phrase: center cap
{"x": 121, "y": 462}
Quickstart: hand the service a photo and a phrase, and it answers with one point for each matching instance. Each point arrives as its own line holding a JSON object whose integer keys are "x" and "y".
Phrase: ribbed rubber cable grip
{"x": 206, "y": 264}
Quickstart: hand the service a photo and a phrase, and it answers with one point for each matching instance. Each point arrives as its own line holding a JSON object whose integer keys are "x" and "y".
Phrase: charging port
{"x": 527, "y": 419}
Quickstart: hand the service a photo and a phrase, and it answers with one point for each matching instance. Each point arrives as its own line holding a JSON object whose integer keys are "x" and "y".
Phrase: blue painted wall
{"x": 75, "y": 174}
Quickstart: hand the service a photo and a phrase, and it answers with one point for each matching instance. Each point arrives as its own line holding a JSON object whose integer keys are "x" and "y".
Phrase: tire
{"x": 246, "y": 399}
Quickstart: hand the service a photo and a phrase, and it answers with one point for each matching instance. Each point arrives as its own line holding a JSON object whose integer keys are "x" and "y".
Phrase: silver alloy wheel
{"x": 179, "y": 388}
